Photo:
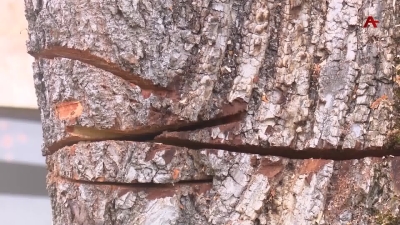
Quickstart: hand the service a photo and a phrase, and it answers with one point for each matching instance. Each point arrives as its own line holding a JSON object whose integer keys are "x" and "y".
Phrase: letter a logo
{"x": 370, "y": 19}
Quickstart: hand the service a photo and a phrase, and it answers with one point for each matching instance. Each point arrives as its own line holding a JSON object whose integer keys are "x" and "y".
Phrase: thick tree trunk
{"x": 218, "y": 112}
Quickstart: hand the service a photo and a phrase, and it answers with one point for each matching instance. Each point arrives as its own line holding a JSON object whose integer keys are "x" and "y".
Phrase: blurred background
{"x": 23, "y": 195}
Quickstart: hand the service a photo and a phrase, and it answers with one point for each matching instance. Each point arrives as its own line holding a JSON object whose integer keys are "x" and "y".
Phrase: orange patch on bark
{"x": 378, "y": 101}
{"x": 100, "y": 179}
{"x": 146, "y": 93}
{"x": 269, "y": 168}
{"x": 75, "y": 176}
{"x": 69, "y": 110}
{"x": 312, "y": 165}
{"x": 175, "y": 174}
{"x": 72, "y": 150}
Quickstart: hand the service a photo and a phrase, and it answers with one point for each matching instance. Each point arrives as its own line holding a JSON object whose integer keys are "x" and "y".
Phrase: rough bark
{"x": 218, "y": 112}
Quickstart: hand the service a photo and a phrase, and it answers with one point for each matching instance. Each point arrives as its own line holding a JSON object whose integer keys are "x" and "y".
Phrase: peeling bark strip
{"x": 219, "y": 83}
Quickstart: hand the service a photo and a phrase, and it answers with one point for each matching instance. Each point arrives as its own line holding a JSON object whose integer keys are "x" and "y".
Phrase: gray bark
{"x": 218, "y": 112}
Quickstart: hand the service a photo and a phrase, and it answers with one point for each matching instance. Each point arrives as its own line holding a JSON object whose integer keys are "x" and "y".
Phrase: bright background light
{"x": 23, "y": 197}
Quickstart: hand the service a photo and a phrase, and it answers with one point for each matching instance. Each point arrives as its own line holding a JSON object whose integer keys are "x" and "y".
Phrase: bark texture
{"x": 219, "y": 111}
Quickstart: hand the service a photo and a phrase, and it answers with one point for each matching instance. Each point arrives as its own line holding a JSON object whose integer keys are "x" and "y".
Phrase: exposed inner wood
{"x": 162, "y": 133}
{"x": 78, "y": 133}
{"x": 170, "y": 135}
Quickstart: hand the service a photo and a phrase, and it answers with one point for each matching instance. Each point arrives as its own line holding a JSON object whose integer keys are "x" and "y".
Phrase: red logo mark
{"x": 370, "y": 19}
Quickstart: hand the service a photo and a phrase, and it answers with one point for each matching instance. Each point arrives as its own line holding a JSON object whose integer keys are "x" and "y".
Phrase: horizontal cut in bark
{"x": 193, "y": 140}
{"x": 84, "y": 96}
{"x": 77, "y": 202}
{"x": 182, "y": 55}
{"x": 301, "y": 92}
{"x": 129, "y": 162}
{"x": 165, "y": 189}
{"x": 227, "y": 191}
{"x": 87, "y": 57}
{"x": 249, "y": 188}
{"x": 182, "y": 45}
{"x": 78, "y": 133}
{"x": 207, "y": 139}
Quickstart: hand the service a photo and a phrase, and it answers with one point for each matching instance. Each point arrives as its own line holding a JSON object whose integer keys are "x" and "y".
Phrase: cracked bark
{"x": 218, "y": 112}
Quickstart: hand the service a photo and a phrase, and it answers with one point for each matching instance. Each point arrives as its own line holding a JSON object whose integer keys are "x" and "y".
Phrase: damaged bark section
{"x": 82, "y": 102}
{"x": 75, "y": 202}
{"x": 245, "y": 190}
{"x": 281, "y": 109}
{"x": 86, "y": 103}
{"x": 201, "y": 140}
{"x": 214, "y": 138}
{"x": 197, "y": 198}
{"x": 88, "y": 58}
{"x": 128, "y": 162}
{"x": 159, "y": 53}
{"x": 135, "y": 95}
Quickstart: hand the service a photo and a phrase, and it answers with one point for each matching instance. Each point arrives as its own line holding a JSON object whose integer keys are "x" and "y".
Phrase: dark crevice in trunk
{"x": 158, "y": 135}
{"x": 142, "y": 185}
{"x": 98, "y": 62}
{"x": 92, "y": 134}
{"x": 287, "y": 152}
{"x": 151, "y": 190}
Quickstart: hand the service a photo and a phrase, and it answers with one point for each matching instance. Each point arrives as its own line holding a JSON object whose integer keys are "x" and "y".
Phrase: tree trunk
{"x": 218, "y": 112}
